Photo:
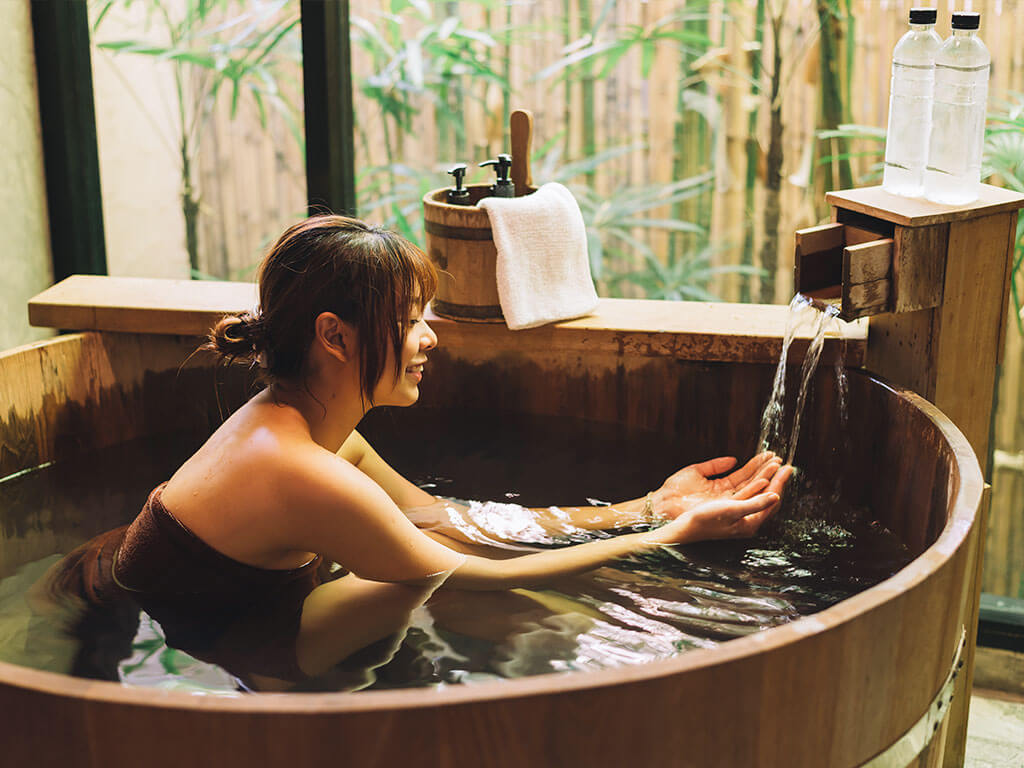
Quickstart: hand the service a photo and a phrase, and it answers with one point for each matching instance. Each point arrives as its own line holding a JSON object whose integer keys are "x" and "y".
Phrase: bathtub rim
{"x": 966, "y": 502}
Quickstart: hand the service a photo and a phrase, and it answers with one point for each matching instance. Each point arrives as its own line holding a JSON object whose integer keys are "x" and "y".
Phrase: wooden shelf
{"x": 918, "y": 212}
{"x": 715, "y": 332}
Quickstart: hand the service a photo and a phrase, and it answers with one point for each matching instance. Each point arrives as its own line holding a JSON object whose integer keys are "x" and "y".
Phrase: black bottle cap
{"x": 923, "y": 15}
{"x": 458, "y": 195}
{"x": 966, "y": 20}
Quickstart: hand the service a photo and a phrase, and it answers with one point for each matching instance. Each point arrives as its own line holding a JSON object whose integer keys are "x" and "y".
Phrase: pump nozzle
{"x": 502, "y": 165}
{"x": 503, "y": 187}
{"x": 458, "y": 195}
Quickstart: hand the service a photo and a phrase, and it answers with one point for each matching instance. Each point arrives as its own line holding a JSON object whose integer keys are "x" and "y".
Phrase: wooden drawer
{"x": 871, "y": 265}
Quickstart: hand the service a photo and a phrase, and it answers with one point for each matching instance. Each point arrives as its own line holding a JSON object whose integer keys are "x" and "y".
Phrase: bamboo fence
{"x": 252, "y": 180}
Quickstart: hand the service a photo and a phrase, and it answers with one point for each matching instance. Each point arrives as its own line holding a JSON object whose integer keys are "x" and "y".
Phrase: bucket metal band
{"x": 912, "y": 743}
{"x": 488, "y": 312}
{"x": 457, "y": 233}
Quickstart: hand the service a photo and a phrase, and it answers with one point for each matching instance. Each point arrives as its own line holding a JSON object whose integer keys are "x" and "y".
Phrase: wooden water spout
{"x": 936, "y": 281}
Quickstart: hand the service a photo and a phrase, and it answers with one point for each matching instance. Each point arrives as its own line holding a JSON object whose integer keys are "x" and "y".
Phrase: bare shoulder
{"x": 314, "y": 478}
{"x": 242, "y": 476}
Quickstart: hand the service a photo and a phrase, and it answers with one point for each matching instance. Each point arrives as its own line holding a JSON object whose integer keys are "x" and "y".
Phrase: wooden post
{"x": 943, "y": 337}
{"x": 329, "y": 117}
{"x": 67, "y": 117}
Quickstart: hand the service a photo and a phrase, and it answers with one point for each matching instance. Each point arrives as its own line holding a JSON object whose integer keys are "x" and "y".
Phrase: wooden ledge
{"x": 918, "y": 212}
{"x": 687, "y": 330}
{"x": 138, "y": 304}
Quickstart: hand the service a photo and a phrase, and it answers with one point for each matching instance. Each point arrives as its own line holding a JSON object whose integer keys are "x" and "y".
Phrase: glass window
{"x": 200, "y": 132}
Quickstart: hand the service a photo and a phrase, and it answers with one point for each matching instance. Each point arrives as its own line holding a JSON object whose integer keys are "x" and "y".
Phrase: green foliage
{"x": 1003, "y": 163}
{"x": 393, "y": 195}
{"x": 209, "y": 50}
{"x": 685, "y": 279}
{"x": 419, "y": 58}
{"x": 608, "y": 47}
{"x": 202, "y": 38}
{"x": 416, "y": 60}
{"x": 411, "y": 69}
{"x": 617, "y": 229}
{"x": 870, "y": 153}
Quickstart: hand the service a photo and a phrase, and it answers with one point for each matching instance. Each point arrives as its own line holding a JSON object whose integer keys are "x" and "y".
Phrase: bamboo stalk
{"x": 830, "y": 36}
{"x": 773, "y": 170}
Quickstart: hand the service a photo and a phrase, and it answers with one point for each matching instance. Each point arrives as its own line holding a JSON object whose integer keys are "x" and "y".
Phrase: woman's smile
{"x": 416, "y": 371}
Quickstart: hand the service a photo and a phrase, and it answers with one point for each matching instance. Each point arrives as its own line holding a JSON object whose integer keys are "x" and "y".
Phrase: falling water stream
{"x": 802, "y": 311}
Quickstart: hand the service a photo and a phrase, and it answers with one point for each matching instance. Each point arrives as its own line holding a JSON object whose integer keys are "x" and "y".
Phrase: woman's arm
{"x": 686, "y": 488}
{"x": 430, "y": 512}
{"x": 341, "y": 513}
{"x": 722, "y": 518}
{"x": 360, "y": 454}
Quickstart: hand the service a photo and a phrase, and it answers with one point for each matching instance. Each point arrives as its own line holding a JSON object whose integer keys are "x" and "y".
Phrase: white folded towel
{"x": 543, "y": 269}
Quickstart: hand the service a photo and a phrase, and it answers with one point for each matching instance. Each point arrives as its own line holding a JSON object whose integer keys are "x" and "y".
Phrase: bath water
{"x": 629, "y": 612}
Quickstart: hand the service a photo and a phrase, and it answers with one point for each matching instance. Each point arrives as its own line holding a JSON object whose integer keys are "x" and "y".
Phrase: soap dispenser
{"x": 503, "y": 187}
{"x": 458, "y": 195}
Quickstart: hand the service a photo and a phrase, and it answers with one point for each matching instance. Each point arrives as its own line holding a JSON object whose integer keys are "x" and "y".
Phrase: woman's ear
{"x": 335, "y": 337}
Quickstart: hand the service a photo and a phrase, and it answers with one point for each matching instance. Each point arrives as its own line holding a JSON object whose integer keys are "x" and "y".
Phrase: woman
{"x": 231, "y": 543}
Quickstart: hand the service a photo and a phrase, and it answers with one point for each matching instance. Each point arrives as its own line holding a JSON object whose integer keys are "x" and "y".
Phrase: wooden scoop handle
{"x": 521, "y": 130}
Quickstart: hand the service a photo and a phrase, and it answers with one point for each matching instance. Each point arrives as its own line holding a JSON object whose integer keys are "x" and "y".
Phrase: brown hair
{"x": 367, "y": 276}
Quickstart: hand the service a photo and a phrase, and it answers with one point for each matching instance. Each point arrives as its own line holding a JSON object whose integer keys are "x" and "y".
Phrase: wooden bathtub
{"x": 837, "y": 688}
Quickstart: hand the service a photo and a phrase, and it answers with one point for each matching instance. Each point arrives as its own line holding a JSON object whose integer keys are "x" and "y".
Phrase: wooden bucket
{"x": 460, "y": 243}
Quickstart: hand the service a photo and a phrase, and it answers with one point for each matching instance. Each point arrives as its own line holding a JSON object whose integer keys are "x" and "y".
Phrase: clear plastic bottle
{"x": 953, "y": 173}
{"x": 910, "y": 105}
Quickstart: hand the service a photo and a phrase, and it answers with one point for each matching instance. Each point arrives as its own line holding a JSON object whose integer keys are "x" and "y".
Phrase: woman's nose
{"x": 429, "y": 339}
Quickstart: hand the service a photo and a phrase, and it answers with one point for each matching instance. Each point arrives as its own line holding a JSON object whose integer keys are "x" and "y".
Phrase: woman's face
{"x": 419, "y": 339}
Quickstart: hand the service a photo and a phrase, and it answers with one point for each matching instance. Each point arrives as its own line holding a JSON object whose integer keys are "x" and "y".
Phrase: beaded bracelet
{"x": 649, "y": 517}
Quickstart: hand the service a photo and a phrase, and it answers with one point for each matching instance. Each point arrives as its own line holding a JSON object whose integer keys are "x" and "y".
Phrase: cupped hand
{"x": 728, "y": 517}
{"x": 697, "y": 483}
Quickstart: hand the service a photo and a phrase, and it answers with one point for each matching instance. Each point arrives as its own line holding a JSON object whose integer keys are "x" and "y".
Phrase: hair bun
{"x": 238, "y": 335}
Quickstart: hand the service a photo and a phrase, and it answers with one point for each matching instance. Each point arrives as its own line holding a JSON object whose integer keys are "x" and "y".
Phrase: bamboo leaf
{"x": 447, "y": 27}
{"x": 669, "y": 224}
{"x": 102, "y": 14}
{"x": 371, "y": 36}
{"x": 281, "y": 35}
{"x": 638, "y": 246}
{"x": 200, "y": 60}
{"x": 262, "y": 110}
{"x": 613, "y": 58}
{"x": 595, "y": 251}
{"x": 414, "y": 64}
{"x": 135, "y": 46}
{"x": 573, "y": 58}
{"x": 477, "y": 36}
{"x": 234, "y": 97}
{"x": 647, "y": 60}
{"x": 588, "y": 164}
